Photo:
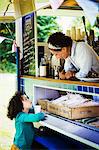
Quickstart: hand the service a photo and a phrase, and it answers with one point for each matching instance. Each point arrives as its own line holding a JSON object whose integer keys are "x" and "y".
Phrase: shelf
{"x": 73, "y": 130}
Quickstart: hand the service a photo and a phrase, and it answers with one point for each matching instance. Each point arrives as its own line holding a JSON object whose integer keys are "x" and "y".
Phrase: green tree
{"x": 46, "y": 25}
{"x": 7, "y": 58}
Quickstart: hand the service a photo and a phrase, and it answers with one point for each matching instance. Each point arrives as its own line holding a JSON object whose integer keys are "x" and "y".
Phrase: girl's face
{"x": 27, "y": 104}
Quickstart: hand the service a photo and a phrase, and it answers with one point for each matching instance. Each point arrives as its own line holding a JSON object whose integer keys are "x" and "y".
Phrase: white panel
{"x": 44, "y": 93}
{"x": 18, "y": 32}
{"x": 59, "y": 12}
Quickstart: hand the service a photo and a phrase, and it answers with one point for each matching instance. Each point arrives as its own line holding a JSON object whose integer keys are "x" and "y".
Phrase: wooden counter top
{"x": 63, "y": 81}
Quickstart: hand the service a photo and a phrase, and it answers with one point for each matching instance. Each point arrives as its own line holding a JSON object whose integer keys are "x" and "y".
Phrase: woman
{"x": 80, "y": 58}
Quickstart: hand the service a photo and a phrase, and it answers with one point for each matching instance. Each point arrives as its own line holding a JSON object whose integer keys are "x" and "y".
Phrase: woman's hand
{"x": 69, "y": 74}
{"x": 62, "y": 75}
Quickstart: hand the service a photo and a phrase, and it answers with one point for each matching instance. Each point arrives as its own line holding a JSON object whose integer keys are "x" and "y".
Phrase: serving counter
{"x": 39, "y": 87}
{"x": 80, "y": 132}
{"x": 89, "y": 88}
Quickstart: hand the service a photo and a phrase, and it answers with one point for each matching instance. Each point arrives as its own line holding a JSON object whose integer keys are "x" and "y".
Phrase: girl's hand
{"x": 45, "y": 116}
{"x": 69, "y": 74}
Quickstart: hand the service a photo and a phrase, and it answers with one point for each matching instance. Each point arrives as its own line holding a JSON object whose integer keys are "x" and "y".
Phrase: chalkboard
{"x": 28, "y": 60}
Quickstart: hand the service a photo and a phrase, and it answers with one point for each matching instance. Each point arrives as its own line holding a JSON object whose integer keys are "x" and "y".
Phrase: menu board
{"x": 28, "y": 60}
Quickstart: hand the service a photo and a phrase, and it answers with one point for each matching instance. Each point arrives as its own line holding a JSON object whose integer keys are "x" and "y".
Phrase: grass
{"x": 7, "y": 130}
{"x": 5, "y": 140}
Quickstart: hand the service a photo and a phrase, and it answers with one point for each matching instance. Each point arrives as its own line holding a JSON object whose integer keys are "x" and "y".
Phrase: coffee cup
{"x": 37, "y": 109}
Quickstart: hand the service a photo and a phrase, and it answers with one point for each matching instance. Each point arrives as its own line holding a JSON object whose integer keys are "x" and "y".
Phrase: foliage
{"x": 6, "y": 66}
{"x": 7, "y": 30}
{"x": 6, "y": 55}
{"x": 46, "y": 25}
{"x": 79, "y": 24}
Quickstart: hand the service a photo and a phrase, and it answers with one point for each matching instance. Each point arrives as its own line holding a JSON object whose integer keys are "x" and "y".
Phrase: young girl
{"x": 20, "y": 108}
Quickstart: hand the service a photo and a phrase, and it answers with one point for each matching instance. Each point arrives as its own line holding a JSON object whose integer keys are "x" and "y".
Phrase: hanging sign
{"x": 28, "y": 60}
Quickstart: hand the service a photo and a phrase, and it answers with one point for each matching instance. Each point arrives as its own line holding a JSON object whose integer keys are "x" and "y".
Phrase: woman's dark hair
{"x": 15, "y": 105}
{"x": 59, "y": 39}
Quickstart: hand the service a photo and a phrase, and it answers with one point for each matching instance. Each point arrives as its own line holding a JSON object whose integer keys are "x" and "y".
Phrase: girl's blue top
{"x": 25, "y": 129}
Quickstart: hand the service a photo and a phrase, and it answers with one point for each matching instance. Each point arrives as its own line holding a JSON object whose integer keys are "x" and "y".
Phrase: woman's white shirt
{"x": 83, "y": 58}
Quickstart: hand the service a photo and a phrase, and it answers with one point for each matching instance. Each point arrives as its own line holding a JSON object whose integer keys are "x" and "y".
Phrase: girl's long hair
{"x": 15, "y": 105}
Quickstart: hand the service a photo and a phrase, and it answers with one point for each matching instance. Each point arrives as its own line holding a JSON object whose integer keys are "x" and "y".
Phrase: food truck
{"x": 76, "y": 124}
{"x": 79, "y": 123}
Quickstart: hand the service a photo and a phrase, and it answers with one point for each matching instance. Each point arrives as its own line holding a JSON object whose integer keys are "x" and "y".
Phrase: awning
{"x": 11, "y": 9}
{"x": 22, "y": 7}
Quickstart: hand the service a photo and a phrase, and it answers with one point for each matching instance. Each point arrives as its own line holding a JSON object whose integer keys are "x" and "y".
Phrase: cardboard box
{"x": 43, "y": 103}
{"x": 78, "y": 112}
{"x": 53, "y": 108}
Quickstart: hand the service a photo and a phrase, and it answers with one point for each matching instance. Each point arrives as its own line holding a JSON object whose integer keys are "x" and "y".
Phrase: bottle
{"x": 78, "y": 35}
{"x": 49, "y": 66}
{"x": 55, "y": 73}
{"x": 68, "y": 33}
{"x": 73, "y": 33}
{"x": 91, "y": 38}
{"x": 43, "y": 68}
{"x": 82, "y": 35}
